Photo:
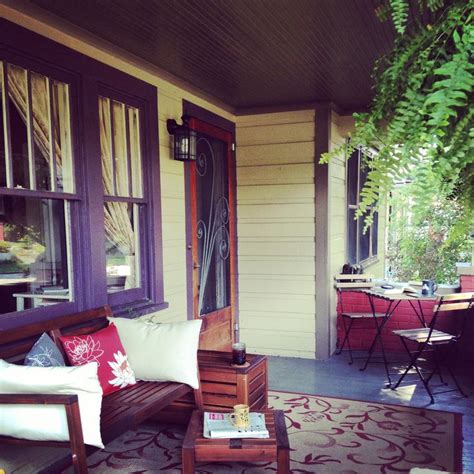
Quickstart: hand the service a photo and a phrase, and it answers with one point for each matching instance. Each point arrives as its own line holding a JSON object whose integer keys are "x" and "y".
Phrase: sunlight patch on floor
{"x": 401, "y": 394}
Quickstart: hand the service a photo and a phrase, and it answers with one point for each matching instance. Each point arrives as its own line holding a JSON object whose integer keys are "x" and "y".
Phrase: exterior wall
{"x": 341, "y": 126}
{"x": 276, "y": 229}
{"x": 170, "y": 97}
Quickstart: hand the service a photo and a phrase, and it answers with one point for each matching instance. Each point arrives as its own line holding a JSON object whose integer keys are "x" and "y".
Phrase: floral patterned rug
{"x": 327, "y": 435}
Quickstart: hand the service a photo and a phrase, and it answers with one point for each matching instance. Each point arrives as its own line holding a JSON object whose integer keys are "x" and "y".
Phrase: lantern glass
{"x": 184, "y": 143}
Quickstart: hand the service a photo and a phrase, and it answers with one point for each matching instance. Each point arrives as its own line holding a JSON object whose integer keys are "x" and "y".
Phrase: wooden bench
{"x": 121, "y": 411}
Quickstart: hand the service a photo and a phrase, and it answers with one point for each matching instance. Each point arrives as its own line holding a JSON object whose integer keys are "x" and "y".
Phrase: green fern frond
{"x": 399, "y": 14}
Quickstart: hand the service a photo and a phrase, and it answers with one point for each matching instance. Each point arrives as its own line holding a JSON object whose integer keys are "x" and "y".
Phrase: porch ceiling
{"x": 247, "y": 53}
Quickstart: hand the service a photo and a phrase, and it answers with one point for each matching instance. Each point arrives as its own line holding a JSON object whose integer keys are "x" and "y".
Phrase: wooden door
{"x": 213, "y": 235}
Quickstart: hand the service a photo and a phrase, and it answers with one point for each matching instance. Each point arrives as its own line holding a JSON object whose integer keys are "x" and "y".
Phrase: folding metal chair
{"x": 431, "y": 340}
{"x": 344, "y": 283}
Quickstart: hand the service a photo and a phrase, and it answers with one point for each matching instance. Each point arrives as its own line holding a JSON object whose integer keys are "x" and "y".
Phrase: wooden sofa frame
{"x": 121, "y": 411}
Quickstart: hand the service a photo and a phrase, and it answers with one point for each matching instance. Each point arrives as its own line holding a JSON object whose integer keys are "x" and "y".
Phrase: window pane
{"x": 17, "y": 107}
{"x": 364, "y": 240}
{"x": 3, "y": 172}
{"x": 106, "y": 146}
{"x": 120, "y": 149}
{"x": 41, "y": 127}
{"x": 135, "y": 152}
{"x": 62, "y": 138}
{"x": 34, "y": 264}
{"x": 351, "y": 237}
{"x": 121, "y": 246}
{"x": 375, "y": 234}
{"x": 352, "y": 177}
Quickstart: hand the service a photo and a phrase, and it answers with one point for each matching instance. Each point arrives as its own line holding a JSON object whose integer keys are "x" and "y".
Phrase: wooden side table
{"x": 224, "y": 385}
{"x": 196, "y": 448}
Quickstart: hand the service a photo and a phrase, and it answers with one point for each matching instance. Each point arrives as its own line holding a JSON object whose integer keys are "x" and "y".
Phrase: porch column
{"x": 322, "y": 276}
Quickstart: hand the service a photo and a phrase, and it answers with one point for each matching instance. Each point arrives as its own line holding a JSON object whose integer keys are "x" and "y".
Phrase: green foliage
{"x": 421, "y": 121}
{"x": 4, "y": 247}
{"x": 399, "y": 14}
{"x": 428, "y": 246}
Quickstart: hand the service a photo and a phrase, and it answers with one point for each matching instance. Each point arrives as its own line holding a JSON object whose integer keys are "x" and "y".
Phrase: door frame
{"x": 222, "y": 129}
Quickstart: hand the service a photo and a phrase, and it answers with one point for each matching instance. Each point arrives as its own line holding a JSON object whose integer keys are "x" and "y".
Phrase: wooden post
{"x": 322, "y": 277}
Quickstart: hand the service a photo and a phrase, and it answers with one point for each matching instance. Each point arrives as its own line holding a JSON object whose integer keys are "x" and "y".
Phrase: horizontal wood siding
{"x": 340, "y": 128}
{"x": 275, "y": 208}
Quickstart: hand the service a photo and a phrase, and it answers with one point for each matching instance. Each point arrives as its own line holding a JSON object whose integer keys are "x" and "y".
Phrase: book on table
{"x": 219, "y": 425}
{"x": 397, "y": 290}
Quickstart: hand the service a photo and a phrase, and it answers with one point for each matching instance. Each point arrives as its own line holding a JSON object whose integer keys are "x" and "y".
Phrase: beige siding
{"x": 170, "y": 97}
{"x": 340, "y": 127}
{"x": 275, "y": 199}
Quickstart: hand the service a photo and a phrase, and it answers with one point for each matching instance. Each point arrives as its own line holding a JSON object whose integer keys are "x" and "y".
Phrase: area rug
{"x": 327, "y": 435}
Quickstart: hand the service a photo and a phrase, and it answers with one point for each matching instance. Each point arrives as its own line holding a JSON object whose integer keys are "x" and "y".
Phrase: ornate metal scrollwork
{"x": 214, "y": 235}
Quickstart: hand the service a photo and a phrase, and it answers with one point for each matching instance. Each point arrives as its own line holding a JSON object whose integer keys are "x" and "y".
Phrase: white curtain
{"x": 118, "y": 223}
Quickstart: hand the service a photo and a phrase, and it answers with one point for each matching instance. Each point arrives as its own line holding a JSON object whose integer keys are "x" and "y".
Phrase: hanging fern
{"x": 421, "y": 121}
{"x": 399, "y": 14}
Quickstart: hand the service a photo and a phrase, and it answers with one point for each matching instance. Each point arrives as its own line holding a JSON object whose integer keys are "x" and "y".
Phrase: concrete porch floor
{"x": 335, "y": 377}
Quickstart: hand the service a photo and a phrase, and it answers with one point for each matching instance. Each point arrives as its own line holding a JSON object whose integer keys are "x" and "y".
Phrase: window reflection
{"x": 34, "y": 268}
{"x": 121, "y": 231}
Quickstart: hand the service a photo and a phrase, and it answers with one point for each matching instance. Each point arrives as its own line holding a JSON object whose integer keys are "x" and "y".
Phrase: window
{"x": 123, "y": 192}
{"x": 36, "y": 170}
{"x": 80, "y": 221}
{"x": 361, "y": 246}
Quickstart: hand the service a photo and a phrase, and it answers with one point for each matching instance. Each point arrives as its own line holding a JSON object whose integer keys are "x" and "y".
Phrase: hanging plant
{"x": 421, "y": 120}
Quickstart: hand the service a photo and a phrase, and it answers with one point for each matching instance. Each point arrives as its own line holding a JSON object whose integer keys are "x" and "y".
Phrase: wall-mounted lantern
{"x": 184, "y": 139}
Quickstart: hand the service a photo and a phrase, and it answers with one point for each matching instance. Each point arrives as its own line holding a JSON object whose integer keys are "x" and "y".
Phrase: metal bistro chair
{"x": 429, "y": 339}
{"x": 344, "y": 283}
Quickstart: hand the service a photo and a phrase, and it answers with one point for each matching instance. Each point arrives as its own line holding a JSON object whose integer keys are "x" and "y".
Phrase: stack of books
{"x": 219, "y": 425}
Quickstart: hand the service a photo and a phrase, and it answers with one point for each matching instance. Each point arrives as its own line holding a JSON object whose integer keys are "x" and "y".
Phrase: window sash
{"x": 355, "y": 177}
{"x": 41, "y": 108}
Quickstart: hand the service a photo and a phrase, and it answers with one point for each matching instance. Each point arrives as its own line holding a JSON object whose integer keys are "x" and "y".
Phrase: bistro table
{"x": 392, "y": 300}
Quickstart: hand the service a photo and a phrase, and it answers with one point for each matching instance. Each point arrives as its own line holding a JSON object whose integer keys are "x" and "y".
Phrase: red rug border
{"x": 457, "y": 437}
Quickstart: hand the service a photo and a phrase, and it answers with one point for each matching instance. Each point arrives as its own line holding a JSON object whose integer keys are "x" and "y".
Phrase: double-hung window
{"x": 37, "y": 190}
{"x": 361, "y": 245}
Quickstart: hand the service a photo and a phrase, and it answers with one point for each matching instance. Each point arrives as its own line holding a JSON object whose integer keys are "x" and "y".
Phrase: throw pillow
{"x": 49, "y": 422}
{"x": 166, "y": 352}
{"x": 105, "y": 348}
{"x": 45, "y": 353}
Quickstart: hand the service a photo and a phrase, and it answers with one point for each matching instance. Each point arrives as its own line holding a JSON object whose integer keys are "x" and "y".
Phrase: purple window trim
{"x": 88, "y": 78}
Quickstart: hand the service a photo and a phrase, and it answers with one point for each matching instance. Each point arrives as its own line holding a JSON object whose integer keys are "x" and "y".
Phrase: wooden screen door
{"x": 213, "y": 235}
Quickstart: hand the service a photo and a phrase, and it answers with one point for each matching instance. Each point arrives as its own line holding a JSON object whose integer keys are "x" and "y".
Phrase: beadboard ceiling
{"x": 247, "y": 53}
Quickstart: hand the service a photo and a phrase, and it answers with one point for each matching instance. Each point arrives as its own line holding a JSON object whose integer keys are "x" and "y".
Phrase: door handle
{"x": 196, "y": 265}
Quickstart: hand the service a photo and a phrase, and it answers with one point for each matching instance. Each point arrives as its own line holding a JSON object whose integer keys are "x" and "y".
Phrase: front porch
{"x": 97, "y": 209}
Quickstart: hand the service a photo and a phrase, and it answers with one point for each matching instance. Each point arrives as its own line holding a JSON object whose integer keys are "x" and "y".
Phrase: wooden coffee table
{"x": 196, "y": 448}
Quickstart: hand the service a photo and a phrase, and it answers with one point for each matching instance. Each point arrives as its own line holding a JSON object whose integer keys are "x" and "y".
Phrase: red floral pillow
{"x": 105, "y": 348}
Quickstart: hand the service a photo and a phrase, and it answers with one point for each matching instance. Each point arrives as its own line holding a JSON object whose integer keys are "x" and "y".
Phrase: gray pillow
{"x": 44, "y": 353}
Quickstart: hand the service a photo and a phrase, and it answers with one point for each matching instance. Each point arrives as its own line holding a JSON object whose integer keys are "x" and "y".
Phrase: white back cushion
{"x": 164, "y": 352}
{"x": 50, "y": 422}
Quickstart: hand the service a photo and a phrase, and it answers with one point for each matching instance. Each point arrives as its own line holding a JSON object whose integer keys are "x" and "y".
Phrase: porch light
{"x": 184, "y": 139}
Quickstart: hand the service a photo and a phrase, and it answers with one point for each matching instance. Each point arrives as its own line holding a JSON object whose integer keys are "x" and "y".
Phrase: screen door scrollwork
{"x": 212, "y": 230}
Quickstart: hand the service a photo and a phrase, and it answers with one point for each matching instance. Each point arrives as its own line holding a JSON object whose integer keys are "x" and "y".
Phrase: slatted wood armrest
{"x": 73, "y": 416}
